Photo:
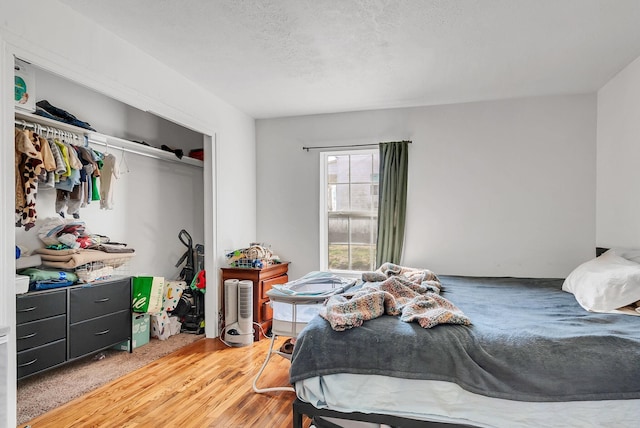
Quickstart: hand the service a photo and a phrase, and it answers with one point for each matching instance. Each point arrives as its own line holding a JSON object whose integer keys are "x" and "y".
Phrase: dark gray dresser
{"x": 60, "y": 325}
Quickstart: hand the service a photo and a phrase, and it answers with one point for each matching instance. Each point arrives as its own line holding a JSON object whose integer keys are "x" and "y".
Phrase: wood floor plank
{"x": 205, "y": 384}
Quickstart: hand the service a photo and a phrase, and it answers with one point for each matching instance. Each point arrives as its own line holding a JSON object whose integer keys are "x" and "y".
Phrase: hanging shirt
{"x": 29, "y": 166}
{"x": 65, "y": 157}
{"x": 23, "y": 148}
{"x": 47, "y": 156}
{"x": 109, "y": 174}
{"x": 57, "y": 155}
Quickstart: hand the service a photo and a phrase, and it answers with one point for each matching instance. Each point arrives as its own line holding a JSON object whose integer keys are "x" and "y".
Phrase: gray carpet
{"x": 38, "y": 394}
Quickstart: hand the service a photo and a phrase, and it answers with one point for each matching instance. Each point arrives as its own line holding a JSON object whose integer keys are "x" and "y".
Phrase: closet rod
{"x": 29, "y": 120}
{"x": 122, "y": 145}
{"x": 124, "y": 149}
{"x": 43, "y": 130}
{"x": 343, "y": 146}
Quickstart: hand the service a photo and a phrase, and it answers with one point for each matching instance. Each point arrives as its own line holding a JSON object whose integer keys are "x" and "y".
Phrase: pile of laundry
{"x": 73, "y": 254}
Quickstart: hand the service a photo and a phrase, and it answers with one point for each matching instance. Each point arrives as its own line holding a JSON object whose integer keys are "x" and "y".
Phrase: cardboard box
{"x": 141, "y": 330}
{"x": 25, "y": 86}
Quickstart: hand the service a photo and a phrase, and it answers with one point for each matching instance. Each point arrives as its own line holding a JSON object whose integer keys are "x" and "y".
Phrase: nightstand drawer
{"x": 266, "y": 311}
{"x": 43, "y": 357}
{"x": 41, "y": 305}
{"x": 268, "y": 283}
{"x": 99, "y": 333}
{"x": 99, "y": 299}
{"x": 36, "y": 333}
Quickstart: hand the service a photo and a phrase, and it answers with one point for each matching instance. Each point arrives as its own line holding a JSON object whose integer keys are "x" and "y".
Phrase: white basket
{"x": 103, "y": 270}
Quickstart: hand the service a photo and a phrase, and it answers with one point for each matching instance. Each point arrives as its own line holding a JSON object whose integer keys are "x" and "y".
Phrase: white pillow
{"x": 628, "y": 253}
{"x": 605, "y": 283}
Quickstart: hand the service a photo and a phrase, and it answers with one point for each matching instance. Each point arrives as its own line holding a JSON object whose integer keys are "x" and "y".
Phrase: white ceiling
{"x": 273, "y": 58}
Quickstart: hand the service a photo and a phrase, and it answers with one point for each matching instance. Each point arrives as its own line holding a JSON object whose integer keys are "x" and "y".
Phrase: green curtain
{"x": 392, "y": 201}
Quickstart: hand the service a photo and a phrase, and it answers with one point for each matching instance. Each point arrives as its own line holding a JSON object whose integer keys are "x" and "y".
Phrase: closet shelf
{"x": 129, "y": 146}
{"x": 106, "y": 141}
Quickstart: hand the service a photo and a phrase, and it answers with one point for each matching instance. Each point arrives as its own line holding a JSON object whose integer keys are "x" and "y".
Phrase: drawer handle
{"x": 106, "y": 299}
{"x": 33, "y": 308}
{"x": 28, "y": 336}
{"x": 28, "y": 364}
{"x": 100, "y": 333}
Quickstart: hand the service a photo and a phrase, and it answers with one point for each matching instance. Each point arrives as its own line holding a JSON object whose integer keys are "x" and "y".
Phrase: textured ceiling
{"x": 273, "y": 58}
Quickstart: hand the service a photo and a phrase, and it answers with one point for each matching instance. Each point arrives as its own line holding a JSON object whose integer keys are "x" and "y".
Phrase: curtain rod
{"x": 347, "y": 145}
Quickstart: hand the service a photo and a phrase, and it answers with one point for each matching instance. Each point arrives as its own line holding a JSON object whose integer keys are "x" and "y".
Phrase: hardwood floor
{"x": 205, "y": 384}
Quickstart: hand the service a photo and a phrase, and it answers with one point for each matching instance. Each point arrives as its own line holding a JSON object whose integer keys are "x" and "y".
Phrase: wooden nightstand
{"x": 263, "y": 279}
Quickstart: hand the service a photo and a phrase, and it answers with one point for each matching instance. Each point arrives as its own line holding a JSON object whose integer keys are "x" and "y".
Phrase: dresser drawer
{"x": 40, "y": 332}
{"x": 99, "y": 299}
{"x": 40, "y": 305}
{"x": 268, "y": 283}
{"x": 98, "y": 333}
{"x": 40, "y": 358}
{"x": 266, "y": 311}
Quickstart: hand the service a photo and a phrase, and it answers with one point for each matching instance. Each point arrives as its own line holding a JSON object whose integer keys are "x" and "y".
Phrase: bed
{"x": 532, "y": 357}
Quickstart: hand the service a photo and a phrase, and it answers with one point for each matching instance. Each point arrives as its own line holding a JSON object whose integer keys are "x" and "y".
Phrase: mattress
{"x": 531, "y": 351}
{"x": 446, "y": 402}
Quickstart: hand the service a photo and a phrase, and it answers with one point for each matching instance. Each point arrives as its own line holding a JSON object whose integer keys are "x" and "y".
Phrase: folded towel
{"x": 83, "y": 257}
{"x": 56, "y": 252}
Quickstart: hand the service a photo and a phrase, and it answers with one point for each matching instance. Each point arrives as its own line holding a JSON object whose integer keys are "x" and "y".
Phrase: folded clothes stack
{"x": 40, "y": 279}
{"x": 45, "y": 109}
{"x": 71, "y": 259}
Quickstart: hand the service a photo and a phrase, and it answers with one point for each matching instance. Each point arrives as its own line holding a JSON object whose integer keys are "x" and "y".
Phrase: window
{"x": 349, "y": 210}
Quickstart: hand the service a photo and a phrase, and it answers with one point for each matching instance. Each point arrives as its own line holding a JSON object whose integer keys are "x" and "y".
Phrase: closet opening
{"x": 158, "y": 189}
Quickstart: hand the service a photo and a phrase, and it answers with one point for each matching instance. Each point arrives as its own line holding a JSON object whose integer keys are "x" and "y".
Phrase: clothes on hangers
{"x": 55, "y": 163}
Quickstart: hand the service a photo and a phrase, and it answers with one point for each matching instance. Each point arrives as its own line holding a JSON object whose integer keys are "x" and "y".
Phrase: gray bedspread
{"x": 529, "y": 341}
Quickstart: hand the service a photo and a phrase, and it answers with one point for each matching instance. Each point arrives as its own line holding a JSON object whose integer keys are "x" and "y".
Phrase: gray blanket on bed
{"x": 530, "y": 341}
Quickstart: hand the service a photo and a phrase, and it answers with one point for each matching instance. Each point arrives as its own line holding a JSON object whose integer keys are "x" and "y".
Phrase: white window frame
{"x": 324, "y": 218}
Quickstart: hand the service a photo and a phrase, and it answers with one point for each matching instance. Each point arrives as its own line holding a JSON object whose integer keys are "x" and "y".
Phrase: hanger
{"x": 123, "y": 159}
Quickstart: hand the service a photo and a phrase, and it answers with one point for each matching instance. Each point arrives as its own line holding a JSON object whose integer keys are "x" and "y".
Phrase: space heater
{"x": 238, "y": 312}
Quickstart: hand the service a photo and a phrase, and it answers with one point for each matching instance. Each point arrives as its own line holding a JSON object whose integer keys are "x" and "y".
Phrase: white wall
{"x": 618, "y": 172}
{"x": 63, "y": 42}
{"x": 495, "y": 188}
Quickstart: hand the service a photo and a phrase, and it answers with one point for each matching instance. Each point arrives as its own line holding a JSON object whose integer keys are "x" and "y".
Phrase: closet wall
{"x": 154, "y": 199}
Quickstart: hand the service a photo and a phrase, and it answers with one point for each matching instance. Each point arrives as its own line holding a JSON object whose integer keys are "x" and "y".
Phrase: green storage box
{"x": 141, "y": 332}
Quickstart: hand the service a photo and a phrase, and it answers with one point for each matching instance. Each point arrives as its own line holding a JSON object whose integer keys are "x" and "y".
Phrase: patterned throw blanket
{"x": 414, "y": 294}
